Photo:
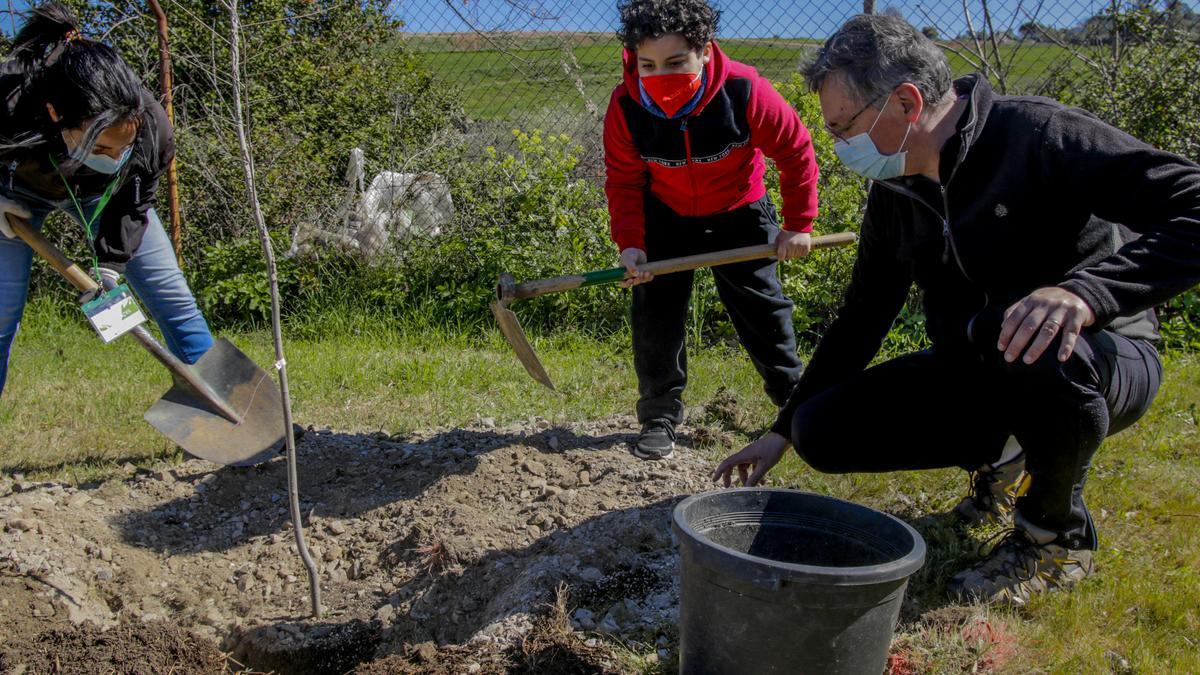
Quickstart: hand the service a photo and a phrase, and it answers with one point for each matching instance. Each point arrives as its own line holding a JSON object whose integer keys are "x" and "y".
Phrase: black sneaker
{"x": 657, "y": 440}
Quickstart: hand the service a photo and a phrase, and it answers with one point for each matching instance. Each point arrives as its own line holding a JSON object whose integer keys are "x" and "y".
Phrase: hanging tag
{"x": 114, "y": 314}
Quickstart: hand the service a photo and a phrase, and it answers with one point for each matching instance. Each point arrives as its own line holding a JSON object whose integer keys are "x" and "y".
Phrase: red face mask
{"x": 672, "y": 91}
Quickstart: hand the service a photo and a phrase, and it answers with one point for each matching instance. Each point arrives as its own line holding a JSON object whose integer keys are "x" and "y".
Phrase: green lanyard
{"x": 88, "y": 222}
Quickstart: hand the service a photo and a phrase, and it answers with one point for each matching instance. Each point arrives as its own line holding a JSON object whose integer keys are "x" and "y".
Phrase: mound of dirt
{"x": 455, "y": 539}
{"x": 552, "y": 647}
{"x": 128, "y": 647}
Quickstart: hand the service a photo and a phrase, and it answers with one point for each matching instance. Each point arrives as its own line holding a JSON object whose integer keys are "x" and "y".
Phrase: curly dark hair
{"x": 641, "y": 20}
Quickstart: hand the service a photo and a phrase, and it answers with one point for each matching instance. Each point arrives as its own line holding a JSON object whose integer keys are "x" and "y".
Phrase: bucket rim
{"x": 894, "y": 570}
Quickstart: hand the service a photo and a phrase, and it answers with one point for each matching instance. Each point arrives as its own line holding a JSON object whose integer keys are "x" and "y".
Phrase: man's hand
{"x": 1035, "y": 321}
{"x": 753, "y": 462}
{"x": 791, "y": 245}
{"x": 631, "y": 258}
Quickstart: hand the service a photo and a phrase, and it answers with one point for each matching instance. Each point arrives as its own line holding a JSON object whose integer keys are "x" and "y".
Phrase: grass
{"x": 72, "y": 411}
{"x": 72, "y": 407}
{"x": 530, "y": 79}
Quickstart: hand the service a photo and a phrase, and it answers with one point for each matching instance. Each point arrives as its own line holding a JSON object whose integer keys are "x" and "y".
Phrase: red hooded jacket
{"x": 710, "y": 161}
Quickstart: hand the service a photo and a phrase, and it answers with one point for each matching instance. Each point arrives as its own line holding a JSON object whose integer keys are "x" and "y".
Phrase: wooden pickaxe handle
{"x": 532, "y": 289}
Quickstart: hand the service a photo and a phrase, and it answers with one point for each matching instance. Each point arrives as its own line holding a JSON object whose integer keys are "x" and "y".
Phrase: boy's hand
{"x": 791, "y": 245}
{"x": 630, "y": 259}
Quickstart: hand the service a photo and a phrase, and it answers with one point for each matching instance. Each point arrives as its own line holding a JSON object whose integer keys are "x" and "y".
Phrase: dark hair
{"x": 875, "y": 53}
{"x": 641, "y": 20}
{"x": 85, "y": 80}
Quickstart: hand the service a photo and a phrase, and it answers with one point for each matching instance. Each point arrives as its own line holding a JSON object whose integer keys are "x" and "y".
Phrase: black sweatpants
{"x": 925, "y": 411}
{"x": 750, "y": 291}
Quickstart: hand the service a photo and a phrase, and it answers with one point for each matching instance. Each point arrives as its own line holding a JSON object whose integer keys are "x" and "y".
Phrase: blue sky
{"x": 742, "y": 18}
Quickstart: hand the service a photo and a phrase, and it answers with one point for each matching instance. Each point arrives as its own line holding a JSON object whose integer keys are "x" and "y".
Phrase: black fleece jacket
{"x": 121, "y": 226}
{"x": 1032, "y": 194}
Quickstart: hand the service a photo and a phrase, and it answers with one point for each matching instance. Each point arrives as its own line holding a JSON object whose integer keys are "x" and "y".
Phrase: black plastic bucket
{"x": 782, "y": 581}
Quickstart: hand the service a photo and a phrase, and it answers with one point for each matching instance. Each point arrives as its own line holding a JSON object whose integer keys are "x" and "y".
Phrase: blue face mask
{"x": 103, "y": 163}
{"x": 860, "y": 155}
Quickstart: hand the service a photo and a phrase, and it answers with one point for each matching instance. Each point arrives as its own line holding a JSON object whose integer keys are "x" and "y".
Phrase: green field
{"x": 532, "y": 79}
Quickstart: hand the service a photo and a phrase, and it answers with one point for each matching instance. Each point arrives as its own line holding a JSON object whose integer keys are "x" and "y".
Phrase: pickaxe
{"x": 508, "y": 290}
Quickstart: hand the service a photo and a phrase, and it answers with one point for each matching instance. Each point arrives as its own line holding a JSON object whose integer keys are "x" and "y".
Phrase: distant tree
{"x": 1031, "y": 31}
{"x": 930, "y": 32}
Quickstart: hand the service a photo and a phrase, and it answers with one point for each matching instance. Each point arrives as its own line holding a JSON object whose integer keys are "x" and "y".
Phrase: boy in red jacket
{"x": 684, "y": 140}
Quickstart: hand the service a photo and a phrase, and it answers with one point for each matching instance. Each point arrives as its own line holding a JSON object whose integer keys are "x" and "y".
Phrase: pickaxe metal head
{"x": 507, "y": 289}
{"x": 510, "y": 326}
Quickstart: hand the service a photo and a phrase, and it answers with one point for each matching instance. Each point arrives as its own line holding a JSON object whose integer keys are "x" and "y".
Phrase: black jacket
{"x": 1035, "y": 194}
{"x": 121, "y": 226}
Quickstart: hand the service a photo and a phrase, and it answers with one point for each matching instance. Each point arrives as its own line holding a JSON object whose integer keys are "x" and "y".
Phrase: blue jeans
{"x": 153, "y": 274}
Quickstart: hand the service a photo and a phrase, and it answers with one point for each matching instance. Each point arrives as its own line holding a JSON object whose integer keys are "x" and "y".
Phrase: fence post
{"x": 164, "y": 80}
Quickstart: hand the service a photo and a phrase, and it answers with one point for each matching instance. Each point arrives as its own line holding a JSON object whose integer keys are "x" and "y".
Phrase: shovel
{"x": 224, "y": 409}
{"x": 507, "y": 289}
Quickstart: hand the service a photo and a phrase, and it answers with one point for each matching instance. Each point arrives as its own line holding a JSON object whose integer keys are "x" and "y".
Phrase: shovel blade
{"x": 511, "y": 328}
{"x": 188, "y": 420}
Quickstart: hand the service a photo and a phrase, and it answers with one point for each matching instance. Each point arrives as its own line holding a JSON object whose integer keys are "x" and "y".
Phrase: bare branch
{"x": 964, "y": 51}
{"x": 573, "y": 71}
{"x": 987, "y": 18}
{"x": 119, "y": 23}
{"x": 482, "y": 33}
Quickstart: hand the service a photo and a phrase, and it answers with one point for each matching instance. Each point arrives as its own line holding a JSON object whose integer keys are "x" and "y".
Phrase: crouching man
{"x": 1041, "y": 238}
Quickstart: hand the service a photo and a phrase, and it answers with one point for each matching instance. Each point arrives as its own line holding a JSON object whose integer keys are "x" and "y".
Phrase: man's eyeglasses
{"x": 850, "y": 122}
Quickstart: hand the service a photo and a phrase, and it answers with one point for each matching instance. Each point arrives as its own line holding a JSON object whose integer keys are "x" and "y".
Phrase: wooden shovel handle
{"x": 80, "y": 279}
{"x": 70, "y": 271}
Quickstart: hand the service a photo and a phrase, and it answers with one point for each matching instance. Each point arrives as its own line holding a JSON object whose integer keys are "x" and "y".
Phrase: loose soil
{"x": 528, "y": 548}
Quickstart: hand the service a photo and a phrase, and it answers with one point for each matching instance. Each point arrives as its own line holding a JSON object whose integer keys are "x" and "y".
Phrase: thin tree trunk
{"x": 280, "y": 364}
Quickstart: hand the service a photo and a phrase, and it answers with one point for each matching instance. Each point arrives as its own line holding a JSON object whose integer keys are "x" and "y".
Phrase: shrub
{"x": 1150, "y": 88}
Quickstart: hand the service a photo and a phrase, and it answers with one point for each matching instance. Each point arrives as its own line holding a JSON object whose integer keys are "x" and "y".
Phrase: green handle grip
{"x": 603, "y": 276}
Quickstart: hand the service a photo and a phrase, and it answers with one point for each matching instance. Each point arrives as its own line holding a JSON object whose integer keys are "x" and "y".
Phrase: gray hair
{"x": 875, "y": 53}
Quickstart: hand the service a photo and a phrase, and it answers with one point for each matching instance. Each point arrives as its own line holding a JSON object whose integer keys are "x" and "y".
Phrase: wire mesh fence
{"x": 343, "y": 92}
{"x": 552, "y": 65}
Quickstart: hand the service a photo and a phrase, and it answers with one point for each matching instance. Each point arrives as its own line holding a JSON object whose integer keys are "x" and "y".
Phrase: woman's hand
{"x": 8, "y": 206}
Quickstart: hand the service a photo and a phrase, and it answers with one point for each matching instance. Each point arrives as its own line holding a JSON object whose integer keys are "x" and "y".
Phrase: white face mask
{"x": 101, "y": 163}
{"x": 861, "y": 156}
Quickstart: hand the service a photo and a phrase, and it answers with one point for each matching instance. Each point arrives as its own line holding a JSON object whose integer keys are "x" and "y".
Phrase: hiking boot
{"x": 994, "y": 490}
{"x": 657, "y": 440}
{"x": 1018, "y": 568}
